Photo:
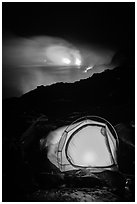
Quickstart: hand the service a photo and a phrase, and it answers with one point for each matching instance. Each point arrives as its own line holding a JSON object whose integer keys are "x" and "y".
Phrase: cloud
{"x": 42, "y": 60}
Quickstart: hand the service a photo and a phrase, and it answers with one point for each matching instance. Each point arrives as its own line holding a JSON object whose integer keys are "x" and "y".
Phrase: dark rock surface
{"x": 27, "y": 174}
{"x": 75, "y": 195}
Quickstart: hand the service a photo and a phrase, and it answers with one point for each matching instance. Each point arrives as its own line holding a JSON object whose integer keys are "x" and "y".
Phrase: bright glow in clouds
{"x": 61, "y": 55}
{"x": 78, "y": 61}
{"x": 28, "y": 63}
{"x": 66, "y": 61}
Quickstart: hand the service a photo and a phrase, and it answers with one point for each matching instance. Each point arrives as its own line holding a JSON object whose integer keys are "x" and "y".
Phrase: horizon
{"x": 45, "y": 49}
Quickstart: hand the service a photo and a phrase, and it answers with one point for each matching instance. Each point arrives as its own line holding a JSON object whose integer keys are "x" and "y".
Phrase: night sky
{"x": 92, "y": 32}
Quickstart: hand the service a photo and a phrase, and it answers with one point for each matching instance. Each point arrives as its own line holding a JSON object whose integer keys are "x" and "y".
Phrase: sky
{"x": 45, "y": 43}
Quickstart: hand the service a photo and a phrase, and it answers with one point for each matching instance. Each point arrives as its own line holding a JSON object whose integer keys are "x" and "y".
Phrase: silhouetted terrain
{"x": 109, "y": 88}
{"x": 109, "y": 95}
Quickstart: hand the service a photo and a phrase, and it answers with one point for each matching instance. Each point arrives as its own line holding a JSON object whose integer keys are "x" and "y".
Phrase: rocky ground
{"x": 27, "y": 174}
{"x": 74, "y": 195}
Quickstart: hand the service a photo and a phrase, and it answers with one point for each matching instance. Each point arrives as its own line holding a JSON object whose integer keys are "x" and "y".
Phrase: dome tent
{"x": 89, "y": 142}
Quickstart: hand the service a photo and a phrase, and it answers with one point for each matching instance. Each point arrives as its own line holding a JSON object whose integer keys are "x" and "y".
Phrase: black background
{"x": 109, "y": 23}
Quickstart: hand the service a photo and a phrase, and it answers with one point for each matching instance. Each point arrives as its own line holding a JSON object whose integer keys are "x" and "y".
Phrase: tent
{"x": 89, "y": 142}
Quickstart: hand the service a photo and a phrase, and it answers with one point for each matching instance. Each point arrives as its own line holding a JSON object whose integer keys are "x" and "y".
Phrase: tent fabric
{"x": 90, "y": 142}
{"x": 87, "y": 150}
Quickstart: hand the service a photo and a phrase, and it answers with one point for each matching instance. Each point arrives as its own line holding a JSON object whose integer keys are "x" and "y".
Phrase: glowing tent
{"x": 89, "y": 142}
